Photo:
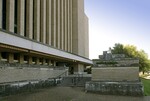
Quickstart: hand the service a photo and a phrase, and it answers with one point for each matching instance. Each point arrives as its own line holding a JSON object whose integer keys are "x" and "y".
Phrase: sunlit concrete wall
{"x": 115, "y": 74}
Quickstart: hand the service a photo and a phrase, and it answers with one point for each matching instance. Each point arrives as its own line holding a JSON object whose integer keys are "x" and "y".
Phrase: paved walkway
{"x": 69, "y": 94}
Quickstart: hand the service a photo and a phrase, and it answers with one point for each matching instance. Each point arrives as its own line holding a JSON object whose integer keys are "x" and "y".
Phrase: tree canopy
{"x": 132, "y": 52}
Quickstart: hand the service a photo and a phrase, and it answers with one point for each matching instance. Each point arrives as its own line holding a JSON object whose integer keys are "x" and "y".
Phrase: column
{"x": 21, "y": 58}
{"x": 10, "y": 57}
{"x": 10, "y": 15}
{"x": 49, "y": 63}
{"x": 37, "y": 61}
{"x": 37, "y": 20}
{"x": 70, "y": 14}
{"x": 20, "y": 16}
{"x": 68, "y": 27}
{"x": 43, "y": 21}
{"x": 54, "y": 63}
{"x": 29, "y": 18}
{"x": 43, "y": 62}
{"x": 53, "y": 4}
{"x": 48, "y": 22}
{"x": 0, "y": 13}
{"x": 58, "y": 23}
{"x": 29, "y": 60}
{"x": 65, "y": 25}
{"x": 62, "y": 24}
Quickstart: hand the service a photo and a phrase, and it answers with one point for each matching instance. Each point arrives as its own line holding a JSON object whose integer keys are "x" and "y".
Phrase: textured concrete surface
{"x": 11, "y": 75}
{"x": 115, "y": 74}
{"x": 116, "y": 88}
{"x": 69, "y": 94}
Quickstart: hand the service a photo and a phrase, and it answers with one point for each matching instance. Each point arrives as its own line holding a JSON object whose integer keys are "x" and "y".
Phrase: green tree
{"x": 118, "y": 49}
{"x": 131, "y": 51}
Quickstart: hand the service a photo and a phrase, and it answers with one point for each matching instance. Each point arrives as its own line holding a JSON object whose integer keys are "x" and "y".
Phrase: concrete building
{"x": 44, "y": 32}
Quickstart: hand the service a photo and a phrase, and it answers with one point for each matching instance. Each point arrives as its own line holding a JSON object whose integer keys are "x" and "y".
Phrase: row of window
{"x": 4, "y": 56}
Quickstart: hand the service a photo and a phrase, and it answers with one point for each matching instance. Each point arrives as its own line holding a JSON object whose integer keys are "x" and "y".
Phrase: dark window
{"x": 41, "y": 60}
{"x": 25, "y": 58}
{"x": 16, "y": 56}
{"x": 4, "y": 55}
{"x": 15, "y": 18}
{"x": 47, "y": 60}
{"x": 4, "y": 14}
{"x": 34, "y": 59}
{"x": 25, "y": 18}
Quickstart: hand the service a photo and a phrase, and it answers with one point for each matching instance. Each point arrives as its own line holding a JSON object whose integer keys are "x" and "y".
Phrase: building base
{"x": 115, "y": 88}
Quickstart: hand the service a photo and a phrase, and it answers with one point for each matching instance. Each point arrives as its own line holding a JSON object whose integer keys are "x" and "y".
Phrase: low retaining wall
{"x": 115, "y": 74}
{"x": 115, "y": 88}
{"x": 24, "y": 86}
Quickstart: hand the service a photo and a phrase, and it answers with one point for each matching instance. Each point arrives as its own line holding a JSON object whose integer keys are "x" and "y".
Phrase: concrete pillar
{"x": 37, "y": 20}
{"x": 21, "y": 58}
{"x": 10, "y": 58}
{"x": 0, "y": 13}
{"x": 53, "y": 4}
{"x": 44, "y": 61}
{"x": 65, "y": 25}
{"x": 70, "y": 14}
{"x": 78, "y": 68}
{"x": 68, "y": 25}
{"x": 21, "y": 17}
{"x": 75, "y": 28}
{"x": 10, "y": 15}
{"x": 54, "y": 63}
{"x": 43, "y": 21}
{"x": 37, "y": 61}
{"x": 58, "y": 23}
{"x": 29, "y": 60}
{"x": 62, "y": 24}
{"x": 48, "y": 22}
{"x": 49, "y": 63}
{"x": 29, "y": 18}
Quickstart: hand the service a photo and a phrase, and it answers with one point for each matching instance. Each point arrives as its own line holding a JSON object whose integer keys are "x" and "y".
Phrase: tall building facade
{"x": 44, "y": 32}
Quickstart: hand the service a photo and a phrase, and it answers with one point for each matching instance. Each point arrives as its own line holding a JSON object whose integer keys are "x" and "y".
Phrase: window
{"x": 15, "y": 18}
{"x": 25, "y": 58}
{"x": 4, "y": 55}
{"x": 25, "y": 18}
{"x": 16, "y": 56}
{"x": 4, "y": 14}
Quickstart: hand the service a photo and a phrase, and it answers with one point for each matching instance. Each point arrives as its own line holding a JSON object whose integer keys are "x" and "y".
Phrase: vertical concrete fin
{"x": 20, "y": 16}
{"x": 29, "y": 18}
{"x": 10, "y": 15}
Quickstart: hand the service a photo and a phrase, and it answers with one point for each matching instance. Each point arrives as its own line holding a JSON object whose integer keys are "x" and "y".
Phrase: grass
{"x": 146, "y": 84}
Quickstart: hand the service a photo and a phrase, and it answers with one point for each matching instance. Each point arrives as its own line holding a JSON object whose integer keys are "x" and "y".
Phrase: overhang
{"x": 15, "y": 40}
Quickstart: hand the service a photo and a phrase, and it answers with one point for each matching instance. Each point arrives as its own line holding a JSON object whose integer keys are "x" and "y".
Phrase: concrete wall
{"x": 80, "y": 29}
{"x": 115, "y": 88}
{"x": 86, "y": 35}
{"x": 14, "y": 74}
{"x": 78, "y": 68}
{"x": 115, "y": 74}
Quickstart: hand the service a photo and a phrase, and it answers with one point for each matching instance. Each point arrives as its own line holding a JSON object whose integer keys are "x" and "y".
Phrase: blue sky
{"x": 118, "y": 21}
